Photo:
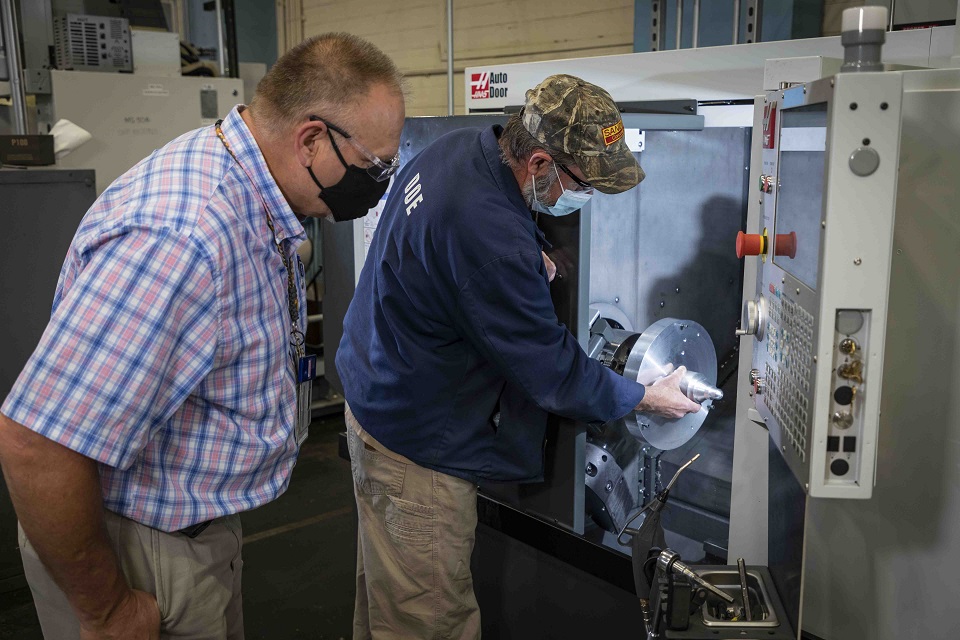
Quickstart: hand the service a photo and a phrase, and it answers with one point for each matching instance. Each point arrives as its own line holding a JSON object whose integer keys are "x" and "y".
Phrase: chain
{"x": 293, "y": 299}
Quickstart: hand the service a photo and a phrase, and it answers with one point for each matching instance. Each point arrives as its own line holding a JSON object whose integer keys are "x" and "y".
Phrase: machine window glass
{"x": 803, "y": 135}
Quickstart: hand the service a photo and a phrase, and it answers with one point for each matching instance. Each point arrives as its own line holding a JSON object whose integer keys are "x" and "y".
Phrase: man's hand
{"x": 57, "y": 496}
{"x": 664, "y": 397}
{"x": 551, "y": 267}
{"x": 136, "y": 617}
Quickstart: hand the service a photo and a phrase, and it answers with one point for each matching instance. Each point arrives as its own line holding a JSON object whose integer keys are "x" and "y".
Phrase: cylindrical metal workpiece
{"x": 649, "y": 356}
{"x": 696, "y": 387}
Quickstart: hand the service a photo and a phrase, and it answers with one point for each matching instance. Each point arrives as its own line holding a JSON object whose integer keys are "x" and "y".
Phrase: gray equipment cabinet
{"x": 39, "y": 213}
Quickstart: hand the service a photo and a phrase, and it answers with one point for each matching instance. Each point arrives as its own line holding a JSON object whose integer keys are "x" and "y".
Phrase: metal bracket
{"x": 754, "y": 21}
{"x": 37, "y": 81}
{"x": 754, "y": 416}
{"x": 658, "y": 24}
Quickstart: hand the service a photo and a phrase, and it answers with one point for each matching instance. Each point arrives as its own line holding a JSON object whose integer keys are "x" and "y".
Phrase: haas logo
{"x": 484, "y": 85}
{"x": 479, "y": 85}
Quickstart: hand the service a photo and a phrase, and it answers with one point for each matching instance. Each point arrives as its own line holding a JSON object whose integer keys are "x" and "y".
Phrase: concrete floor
{"x": 298, "y": 552}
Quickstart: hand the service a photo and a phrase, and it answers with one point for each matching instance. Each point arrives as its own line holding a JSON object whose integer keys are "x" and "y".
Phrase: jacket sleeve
{"x": 506, "y": 312}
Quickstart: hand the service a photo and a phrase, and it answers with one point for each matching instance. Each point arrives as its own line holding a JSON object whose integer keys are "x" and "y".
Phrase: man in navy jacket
{"x": 452, "y": 353}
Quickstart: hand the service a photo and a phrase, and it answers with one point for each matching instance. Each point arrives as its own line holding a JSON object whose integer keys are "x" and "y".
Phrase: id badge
{"x": 306, "y": 368}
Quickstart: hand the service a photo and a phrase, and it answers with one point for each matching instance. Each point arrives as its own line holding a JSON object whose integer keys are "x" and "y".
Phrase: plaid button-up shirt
{"x": 166, "y": 358}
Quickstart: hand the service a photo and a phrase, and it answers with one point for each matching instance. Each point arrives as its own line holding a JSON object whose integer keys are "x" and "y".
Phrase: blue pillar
{"x": 256, "y": 29}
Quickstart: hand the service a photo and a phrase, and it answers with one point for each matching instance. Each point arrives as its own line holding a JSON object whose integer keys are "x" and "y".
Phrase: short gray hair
{"x": 328, "y": 71}
{"x": 517, "y": 145}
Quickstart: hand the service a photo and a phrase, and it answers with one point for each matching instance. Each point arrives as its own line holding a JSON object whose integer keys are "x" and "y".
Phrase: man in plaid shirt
{"x": 161, "y": 401}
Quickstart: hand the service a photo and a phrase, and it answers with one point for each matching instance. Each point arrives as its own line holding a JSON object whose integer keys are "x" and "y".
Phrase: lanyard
{"x": 293, "y": 300}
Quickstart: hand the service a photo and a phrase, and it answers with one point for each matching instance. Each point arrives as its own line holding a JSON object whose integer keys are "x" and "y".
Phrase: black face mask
{"x": 355, "y": 194}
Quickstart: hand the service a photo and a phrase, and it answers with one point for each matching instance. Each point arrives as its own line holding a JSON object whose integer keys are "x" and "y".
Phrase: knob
{"x": 750, "y": 244}
{"x": 842, "y": 419}
{"x": 843, "y": 395}
{"x": 848, "y": 346}
{"x": 839, "y": 467}
{"x": 786, "y": 245}
{"x": 852, "y": 370}
{"x": 758, "y": 385}
{"x": 753, "y": 320}
{"x": 754, "y": 374}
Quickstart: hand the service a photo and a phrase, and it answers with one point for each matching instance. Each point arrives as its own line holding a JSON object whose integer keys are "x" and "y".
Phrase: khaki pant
{"x": 416, "y": 535}
{"x": 196, "y": 581}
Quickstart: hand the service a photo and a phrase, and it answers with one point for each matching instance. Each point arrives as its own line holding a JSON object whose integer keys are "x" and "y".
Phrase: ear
{"x": 309, "y": 139}
{"x": 539, "y": 163}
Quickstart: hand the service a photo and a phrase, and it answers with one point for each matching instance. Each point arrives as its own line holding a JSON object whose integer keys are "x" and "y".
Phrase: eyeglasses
{"x": 582, "y": 183}
{"x": 378, "y": 169}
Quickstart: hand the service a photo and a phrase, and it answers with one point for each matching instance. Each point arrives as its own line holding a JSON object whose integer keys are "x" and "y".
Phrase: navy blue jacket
{"x": 452, "y": 322}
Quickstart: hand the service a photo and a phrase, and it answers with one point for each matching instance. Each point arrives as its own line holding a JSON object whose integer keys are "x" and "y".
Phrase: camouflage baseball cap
{"x": 571, "y": 115}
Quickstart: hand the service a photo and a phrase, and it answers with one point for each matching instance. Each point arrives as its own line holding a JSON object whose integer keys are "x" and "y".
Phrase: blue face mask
{"x": 568, "y": 202}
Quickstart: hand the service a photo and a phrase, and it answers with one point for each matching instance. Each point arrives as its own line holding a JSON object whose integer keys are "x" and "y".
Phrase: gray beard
{"x": 544, "y": 184}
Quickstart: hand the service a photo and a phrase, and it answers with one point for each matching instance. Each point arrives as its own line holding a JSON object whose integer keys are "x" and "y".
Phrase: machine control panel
{"x": 823, "y": 244}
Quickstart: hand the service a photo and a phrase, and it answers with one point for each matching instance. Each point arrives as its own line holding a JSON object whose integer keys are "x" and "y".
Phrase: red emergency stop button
{"x": 786, "y": 245}
{"x": 750, "y": 244}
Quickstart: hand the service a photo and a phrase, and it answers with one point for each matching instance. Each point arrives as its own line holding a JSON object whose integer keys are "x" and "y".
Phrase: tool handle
{"x": 690, "y": 573}
{"x": 744, "y": 591}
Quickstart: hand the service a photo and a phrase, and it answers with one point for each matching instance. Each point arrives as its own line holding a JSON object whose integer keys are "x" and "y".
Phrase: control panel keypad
{"x": 788, "y": 371}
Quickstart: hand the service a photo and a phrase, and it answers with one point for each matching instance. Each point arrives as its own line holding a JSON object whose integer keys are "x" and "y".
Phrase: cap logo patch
{"x": 612, "y": 134}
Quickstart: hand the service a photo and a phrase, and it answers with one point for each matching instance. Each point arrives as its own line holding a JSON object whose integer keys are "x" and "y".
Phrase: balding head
{"x": 327, "y": 114}
{"x": 324, "y": 74}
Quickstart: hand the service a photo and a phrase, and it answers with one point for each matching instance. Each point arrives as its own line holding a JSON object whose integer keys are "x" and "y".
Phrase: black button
{"x": 850, "y": 444}
{"x": 839, "y": 467}
{"x": 833, "y": 443}
{"x": 843, "y": 395}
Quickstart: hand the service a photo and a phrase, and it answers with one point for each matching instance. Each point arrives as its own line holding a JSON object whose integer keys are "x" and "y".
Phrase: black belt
{"x": 195, "y": 530}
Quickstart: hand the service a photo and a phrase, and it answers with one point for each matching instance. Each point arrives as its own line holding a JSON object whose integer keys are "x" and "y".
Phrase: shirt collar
{"x": 489, "y": 141}
{"x": 503, "y": 175}
{"x": 254, "y": 165}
